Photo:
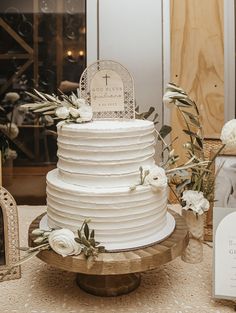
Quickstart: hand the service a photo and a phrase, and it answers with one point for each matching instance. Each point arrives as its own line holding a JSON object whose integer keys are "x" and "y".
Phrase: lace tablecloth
{"x": 176, "y": 287}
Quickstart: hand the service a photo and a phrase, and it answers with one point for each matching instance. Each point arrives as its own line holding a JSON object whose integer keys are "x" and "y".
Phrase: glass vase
{"x": 194, "y": 251}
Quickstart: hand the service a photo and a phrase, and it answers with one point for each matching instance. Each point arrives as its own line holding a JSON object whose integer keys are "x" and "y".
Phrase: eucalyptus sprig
{"x": 71, "y": 109}
{"x": 86, "y": 238}
{"x": 197, "y": 170}
{"x": 85, "y": 243}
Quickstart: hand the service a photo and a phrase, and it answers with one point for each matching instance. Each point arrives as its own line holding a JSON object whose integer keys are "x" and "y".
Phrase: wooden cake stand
{"x": 117, "y": 273}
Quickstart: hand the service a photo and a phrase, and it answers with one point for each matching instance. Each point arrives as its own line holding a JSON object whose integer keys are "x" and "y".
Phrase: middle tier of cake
{"x": 122, "y": 218}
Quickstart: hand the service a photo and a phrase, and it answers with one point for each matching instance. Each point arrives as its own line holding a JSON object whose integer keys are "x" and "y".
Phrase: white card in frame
{"x": 224, "y": 261}
{"x": 109, "y": 89}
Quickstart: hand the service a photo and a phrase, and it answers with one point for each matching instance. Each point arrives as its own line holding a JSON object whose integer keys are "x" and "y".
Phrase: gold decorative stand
{"x": 117, "y": 273}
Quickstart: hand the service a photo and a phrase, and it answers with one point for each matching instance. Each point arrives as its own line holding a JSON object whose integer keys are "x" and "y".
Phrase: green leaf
{"x": 186, "y": 102}
{"x": 149, "y": 112}
{"x": 46, "y": 108}
{"x": 40, "y": 94}
{"x": 92, "y": 242}
{"x": 155, "y": 118}
{"x": 85, "y": 242}
{"x": 101, "y": 249}
{"x": 164, "y": 131}
{"x": 33, "y": 96}
{"x": 85, "y": 251}
{"x": 199, "y": 141}
{"x": 79, "y": 233}
{"x": 92, "y": 235}
{"x": 86, "y": 231}
{"x": 78, "y": 240}
{"x": 193, "y": 119}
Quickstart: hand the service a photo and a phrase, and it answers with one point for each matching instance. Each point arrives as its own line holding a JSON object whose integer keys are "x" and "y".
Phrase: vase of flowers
{"x": 194, "y": 205}
{"x": 192, "y": 182}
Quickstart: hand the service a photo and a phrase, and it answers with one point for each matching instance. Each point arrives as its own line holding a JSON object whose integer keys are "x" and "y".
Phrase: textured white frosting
{"x": 105, "y": 153}
{"x": 98, "y": 162}
{"x": 118, "y": 216}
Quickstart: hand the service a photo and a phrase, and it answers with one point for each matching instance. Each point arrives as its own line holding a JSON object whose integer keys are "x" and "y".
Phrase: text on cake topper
{"x": 107, "y": 92}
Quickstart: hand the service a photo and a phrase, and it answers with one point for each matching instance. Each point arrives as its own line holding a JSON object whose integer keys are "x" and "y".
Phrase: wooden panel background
{"x": 197, "y": 60}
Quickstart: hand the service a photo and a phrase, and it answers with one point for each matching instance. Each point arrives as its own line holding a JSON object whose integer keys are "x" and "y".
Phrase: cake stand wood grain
{"x": 116, "y": 273}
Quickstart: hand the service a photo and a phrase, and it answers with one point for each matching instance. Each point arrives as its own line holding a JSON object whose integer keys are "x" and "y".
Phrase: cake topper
{"x": 109, "y": 88}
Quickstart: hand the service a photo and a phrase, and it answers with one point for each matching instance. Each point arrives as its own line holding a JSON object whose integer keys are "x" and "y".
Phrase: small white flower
{"x": 169, "y": 98}
{"x": 74, "y": 112}
{"x": 156, "y": 178}
{"x": 78, "y": 102}
{"x": 10, "y": 154}
{"x": 228, "y": 134}
{"x": 85, "y": 114}
{"x": 11, "y": 96}
{"x": 62, "y": 241}
{"x": 11, "y": 129}
{"x": 81, "y": 102}
{"x": 195, "y": 201}
{"x": 62, "y": 112}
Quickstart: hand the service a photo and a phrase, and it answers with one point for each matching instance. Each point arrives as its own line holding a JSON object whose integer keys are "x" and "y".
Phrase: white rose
{"x": 62, "y": 112}
{"x": 11, "y": 96}
{"x": 86, "y": 114}
{"x": 228, "y": 134}
{"x": 195, "y": 201}
{"x": 169, "y": 98}
{"x": 62, "y": 241}
{"x": 74, "y": 112}
{"x": 156, "y": 178}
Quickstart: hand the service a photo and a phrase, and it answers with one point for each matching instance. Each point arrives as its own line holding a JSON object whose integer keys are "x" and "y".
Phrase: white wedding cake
{"x": 98, "y": 177}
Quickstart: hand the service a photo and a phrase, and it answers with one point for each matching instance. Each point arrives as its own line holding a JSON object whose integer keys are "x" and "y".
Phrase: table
{"x": 118, "y": 273}
{"x": 175, "y": 287}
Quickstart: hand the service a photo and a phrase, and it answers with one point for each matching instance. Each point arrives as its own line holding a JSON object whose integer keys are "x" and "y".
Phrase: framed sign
{"x": 109, "y": 89}
{"x": 224, "y": 278}
{"x": 225, "y": 182}
{"x": 9, "y": 236}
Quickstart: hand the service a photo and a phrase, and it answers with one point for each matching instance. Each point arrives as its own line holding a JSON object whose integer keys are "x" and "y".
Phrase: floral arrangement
{"x": 153, "y": 176}
{"x": 71, "y": 109}
{"x": 64, "y": 242}
{"x": 192, "y": 182}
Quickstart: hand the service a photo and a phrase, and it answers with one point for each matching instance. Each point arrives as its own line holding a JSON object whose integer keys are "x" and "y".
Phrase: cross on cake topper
{"x": 109, "y": 89}
{"x": 106, "y": 77}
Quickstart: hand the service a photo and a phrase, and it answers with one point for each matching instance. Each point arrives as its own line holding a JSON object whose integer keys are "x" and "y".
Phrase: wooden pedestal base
{"x": 108, "y": 285}
{"x": 115, "y": 273}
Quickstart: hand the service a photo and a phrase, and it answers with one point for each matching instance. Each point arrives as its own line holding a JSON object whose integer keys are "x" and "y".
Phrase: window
{"x": 42, "y": 46}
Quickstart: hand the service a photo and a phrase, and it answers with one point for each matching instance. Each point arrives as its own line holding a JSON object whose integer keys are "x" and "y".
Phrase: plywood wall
{"x": 197, "y": 59}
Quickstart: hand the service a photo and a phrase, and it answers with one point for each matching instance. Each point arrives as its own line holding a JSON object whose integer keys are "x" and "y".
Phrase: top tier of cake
{"x": 105, "y": 153}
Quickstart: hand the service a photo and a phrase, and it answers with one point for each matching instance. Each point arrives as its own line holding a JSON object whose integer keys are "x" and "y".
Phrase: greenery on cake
{"x": 71, "y": 109}
{"x": 63, "y": 242}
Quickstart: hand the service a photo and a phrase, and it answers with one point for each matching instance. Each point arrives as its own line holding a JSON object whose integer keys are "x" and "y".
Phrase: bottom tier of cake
{"x": 121, "y": 218}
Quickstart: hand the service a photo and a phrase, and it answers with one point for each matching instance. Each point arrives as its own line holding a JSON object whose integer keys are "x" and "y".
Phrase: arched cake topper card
{"x": 109, "y": 89}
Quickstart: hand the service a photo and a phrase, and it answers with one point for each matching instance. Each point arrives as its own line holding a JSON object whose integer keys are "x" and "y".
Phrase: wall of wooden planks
{"x": 197, "y": 61}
